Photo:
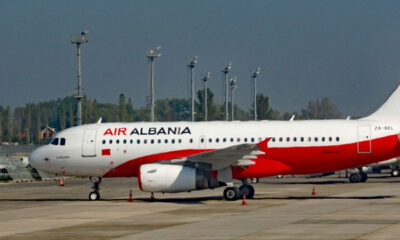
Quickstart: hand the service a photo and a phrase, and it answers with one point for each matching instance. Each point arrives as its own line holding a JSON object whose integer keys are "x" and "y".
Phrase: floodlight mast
{"x": 151, "y": 55}
{"x": 233, "y": 84}
{"x": 191, "y": 66}
{"x": 254, "y": 76}
{"x": 226, "y": 71}
{"x": 205, "y": 79}
{"x": 78, "y": 40}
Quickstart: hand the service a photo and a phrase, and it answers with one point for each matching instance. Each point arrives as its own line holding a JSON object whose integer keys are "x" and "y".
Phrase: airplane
{"x": 173, "y": 157}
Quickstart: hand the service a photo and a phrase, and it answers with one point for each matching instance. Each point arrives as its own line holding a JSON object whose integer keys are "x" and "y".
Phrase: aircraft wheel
{"x": 255, "y": 180}
{"x": 395, "y": 173}
{"x": 231, "y": 193}
{"x": 355, "y": 178}
{"x": 93, "y": 196}
{"x": 247, "y": 190}
{"x": 364, "y": 177}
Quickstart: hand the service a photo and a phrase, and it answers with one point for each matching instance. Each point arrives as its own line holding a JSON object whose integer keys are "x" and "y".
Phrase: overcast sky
{"x": 348, "y": 51}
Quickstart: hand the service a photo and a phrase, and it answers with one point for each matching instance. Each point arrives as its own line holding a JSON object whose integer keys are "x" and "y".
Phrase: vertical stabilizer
{"x": 390, "y": 110}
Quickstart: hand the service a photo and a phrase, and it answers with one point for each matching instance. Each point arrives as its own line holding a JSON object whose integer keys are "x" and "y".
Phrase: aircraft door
{"x": 89, "y": 143}
{"x": 364, "y": 139}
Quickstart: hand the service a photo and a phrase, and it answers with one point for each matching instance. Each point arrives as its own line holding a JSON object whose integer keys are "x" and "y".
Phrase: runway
{"x": 282, "y": 209}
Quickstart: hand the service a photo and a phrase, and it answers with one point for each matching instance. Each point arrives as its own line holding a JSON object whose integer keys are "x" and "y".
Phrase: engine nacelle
{"x": 157, "y": 177}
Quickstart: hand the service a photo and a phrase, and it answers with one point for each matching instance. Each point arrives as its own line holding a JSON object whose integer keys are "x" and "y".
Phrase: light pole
{"x": 191, "y": 66}
{"x": 226, "y": 71}
{"x": 205, "y": 79}
{"x": 78, "y": 40}
{"x": 233, "y": 85}
{"x": 151, "y": 55}
{"x": 254, "y": 76}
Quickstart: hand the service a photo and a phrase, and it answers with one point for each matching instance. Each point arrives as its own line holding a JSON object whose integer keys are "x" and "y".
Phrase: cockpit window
{"x": 62, "y": 141}
{"x": 49, "y": 141}
{"x": 55, "y": 141}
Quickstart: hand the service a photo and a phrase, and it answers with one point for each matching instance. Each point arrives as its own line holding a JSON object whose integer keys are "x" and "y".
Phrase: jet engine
{"x": 157, "y": 177}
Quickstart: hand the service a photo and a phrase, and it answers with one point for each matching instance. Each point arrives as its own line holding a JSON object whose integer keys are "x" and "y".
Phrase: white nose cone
{"x": 34, "y": 158}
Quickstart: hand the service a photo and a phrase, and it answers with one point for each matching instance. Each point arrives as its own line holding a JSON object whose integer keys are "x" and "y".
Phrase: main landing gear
{"x": 358, "y": 177}
{"x": 95, "y": 195}
{"x": 234, "y": 193}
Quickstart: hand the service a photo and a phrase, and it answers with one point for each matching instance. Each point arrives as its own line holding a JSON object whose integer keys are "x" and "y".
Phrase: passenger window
{"x": 138, "y": 141}
{"x": 210, "y": 140}
{"x": 330, "y": 139}
{"x": 159, "y": 141}
{"x": 131, "y": 141}
{"x": 152, "y": 141}
{"x": 224, "y": 139}
{"x": 238, "y": 139}
{"x": 245, "y": 139}
{"x": 309, "y": 139}
{"x": 55, "y": 141}
{"x": 117, "y": 142}
{"x": 302, "y": 139}
{"x": 280, "y": 139}
{"x": 252, "y": 140}
{"x": 173, "y": 141}
{"x": 217, "y": 140}
{"x": 337, "y": 139}
{"x": 323, "y": 139}
{"x": 124, "y": 141}
{"x": 295, "y": 139}
{"x": 104, "y": 141}
{"x": 273, "y": 139}
{"x": 166, "y": 141}
{"x": 191, "y": 140}
{"x": 316, "y": 139}
{"x": 179, "y": 140}
{"x": 232, "y": 140}
{"x": 260, "y": 139}
{"x": 110, "y": 141}
{"x": 145, "y": 141}
{"x": 202, "y": 140}
{"x": 288, "y": 139}
{"x": 62, "y": 141}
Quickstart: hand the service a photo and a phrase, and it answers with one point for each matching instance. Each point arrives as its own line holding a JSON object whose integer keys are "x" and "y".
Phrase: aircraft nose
{"x": 35, "y": 157}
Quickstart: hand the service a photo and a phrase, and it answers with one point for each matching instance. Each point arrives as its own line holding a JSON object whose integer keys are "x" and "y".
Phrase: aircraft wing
{"x": 238, "y": 155}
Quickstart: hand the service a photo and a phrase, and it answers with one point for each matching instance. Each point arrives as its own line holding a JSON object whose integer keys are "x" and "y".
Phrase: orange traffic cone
{"x": 314, "y": 192}
{"x": 130, "y": 196}
{"x": 152, "y": 196}
{"x": 244, "y": 200}
{"x": 61, "y": 182}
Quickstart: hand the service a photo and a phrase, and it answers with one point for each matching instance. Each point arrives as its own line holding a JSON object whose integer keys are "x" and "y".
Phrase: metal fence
{"x": 14, "y": 164}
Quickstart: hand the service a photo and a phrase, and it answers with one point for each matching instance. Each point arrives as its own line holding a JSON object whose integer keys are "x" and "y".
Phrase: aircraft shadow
{"x": 308, "y": 182}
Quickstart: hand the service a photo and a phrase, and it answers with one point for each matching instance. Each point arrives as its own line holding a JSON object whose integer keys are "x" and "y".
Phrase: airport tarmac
{"x": 282, "y": 209}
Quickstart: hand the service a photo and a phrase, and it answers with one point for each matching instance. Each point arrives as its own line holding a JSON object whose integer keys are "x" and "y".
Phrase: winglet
{"x": 99, "y": 121}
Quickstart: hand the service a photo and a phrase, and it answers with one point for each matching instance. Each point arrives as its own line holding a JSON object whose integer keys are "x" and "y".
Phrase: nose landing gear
{"x": 95, "y": 195}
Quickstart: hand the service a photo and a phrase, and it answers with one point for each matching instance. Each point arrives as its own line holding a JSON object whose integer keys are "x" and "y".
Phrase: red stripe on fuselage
{"x": 285, "y": 160}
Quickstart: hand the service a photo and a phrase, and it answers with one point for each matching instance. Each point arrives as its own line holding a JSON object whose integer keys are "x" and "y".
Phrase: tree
{"x": 71, "y": 118}
{"x": 38, "y": 124}
{"x": 264, "y": 111}
{"x": 28, "y": 122}
{"x": 9, "y": 124}
{"x": 1, "y": 123}
{"x": 211, "y": 107}
{"x": 129, "y": 111}
{"x": 95, "y": 108}
{"x": 122, "y": 108}
{"x": 321, "y": 109}
{"x": 45, "y": 118}
{"x": 62, "y": 116}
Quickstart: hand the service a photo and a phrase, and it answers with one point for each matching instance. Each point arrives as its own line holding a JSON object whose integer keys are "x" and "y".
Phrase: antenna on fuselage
{"x": 292, "y": 118}
{"x": 99, "y": 121}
